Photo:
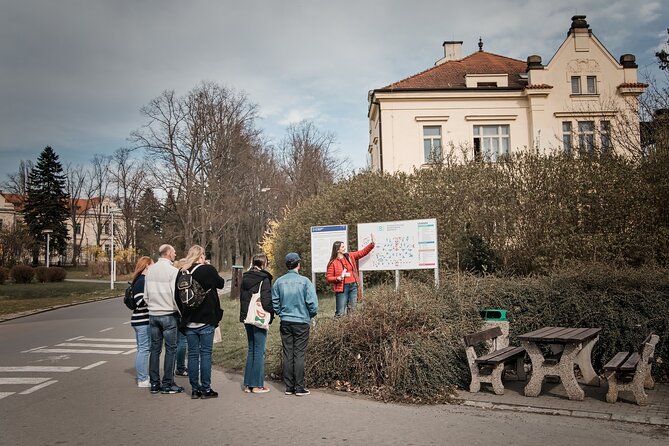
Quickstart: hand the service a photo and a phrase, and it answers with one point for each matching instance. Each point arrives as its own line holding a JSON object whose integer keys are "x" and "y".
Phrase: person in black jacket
{"x": 199, "y": 323}
{"x": 254, "y": 372}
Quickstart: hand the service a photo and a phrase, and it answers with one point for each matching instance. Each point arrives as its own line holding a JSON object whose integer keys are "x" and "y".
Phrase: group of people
{"x": 160, "y": 317}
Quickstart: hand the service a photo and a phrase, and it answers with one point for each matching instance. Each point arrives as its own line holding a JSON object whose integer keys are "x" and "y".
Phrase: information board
{"x": 322, "y": 238}
{"x": 407, "y": 244}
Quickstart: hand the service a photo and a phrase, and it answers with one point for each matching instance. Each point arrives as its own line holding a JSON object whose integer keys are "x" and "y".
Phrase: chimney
{"x": 452, "y": 51}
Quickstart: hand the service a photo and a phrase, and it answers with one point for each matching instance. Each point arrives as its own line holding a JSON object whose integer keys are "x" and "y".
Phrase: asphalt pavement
{"x": 67, "y": 377}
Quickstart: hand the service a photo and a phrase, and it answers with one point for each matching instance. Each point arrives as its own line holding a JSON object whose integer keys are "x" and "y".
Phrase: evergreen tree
{"x": 149, "y": 223}
{"x": 46, "y": 204}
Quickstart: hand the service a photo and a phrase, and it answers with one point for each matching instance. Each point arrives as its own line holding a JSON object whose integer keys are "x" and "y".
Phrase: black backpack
{"x": 129, "y": 298}
{"x": 190, "y": 292}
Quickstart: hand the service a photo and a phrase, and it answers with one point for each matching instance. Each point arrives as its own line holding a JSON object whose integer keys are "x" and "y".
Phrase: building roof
{"x": 14, "y": 199}
{"x": 450, "y": 75}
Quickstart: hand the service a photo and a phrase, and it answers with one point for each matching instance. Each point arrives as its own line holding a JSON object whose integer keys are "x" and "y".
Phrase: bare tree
{"x": 202, "y": 146}
{"x": 75, "y": 180}
{"x": 308, "y": 160}
{"x": 129, "y": 178}
{"x": 97, "y": 190}
{"x": 18, "y": 182}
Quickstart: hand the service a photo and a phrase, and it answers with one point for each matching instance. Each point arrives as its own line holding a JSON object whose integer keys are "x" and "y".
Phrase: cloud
{"x": 75, "y": 73}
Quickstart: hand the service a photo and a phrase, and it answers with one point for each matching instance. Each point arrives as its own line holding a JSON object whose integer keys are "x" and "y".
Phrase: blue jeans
{"x": 162, "y": 328}
{"x": 143, "y": 337}
{"x": 181, "y": 352}
{"x": 349, "y": 297}
{"x": 254, "y": 372}
{"x": 200, "y": 345}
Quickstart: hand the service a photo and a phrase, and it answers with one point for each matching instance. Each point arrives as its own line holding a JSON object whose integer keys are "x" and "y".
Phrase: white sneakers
{"x": 146, "y": 383}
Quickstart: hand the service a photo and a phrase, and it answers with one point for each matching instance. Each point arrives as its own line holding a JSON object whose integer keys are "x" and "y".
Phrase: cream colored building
{"x": 484, "y": 106}
{"x": 94, "y": 217}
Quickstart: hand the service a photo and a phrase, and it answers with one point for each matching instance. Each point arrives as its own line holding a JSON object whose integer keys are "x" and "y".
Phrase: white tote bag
{"x": 256, "y": 314}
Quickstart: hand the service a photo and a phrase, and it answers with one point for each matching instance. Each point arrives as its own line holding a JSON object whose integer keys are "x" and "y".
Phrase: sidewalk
{"x": 553, "y": 401}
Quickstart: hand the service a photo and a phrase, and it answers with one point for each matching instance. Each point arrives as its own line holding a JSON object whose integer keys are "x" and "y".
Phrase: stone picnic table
{"x": 576, "y": 346}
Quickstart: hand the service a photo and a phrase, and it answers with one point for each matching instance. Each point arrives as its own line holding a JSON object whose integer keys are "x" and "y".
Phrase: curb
{"x": 655, "y": 421}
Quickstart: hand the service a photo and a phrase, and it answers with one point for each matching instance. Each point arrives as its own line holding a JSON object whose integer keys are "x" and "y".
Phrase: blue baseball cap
{"x": 292, "y": 257}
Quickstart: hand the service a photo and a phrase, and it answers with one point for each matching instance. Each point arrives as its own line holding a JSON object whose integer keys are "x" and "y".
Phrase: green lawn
{"x": 231, "y": 352}
{"x": 15, "y": 298}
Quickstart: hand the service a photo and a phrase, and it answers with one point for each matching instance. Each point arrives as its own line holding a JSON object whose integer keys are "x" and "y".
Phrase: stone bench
{"x": 490, "y": 367}
{"x": 631, "y": 372}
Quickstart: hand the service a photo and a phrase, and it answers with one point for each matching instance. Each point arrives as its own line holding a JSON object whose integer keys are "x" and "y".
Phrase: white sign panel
{"x": 408, "y": 244}
{"x": 322, "y": 238}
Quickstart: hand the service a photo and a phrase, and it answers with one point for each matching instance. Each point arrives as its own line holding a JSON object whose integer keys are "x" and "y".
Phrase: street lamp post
{"x": 112, "y": 262}
{"x": 47, "y": 232}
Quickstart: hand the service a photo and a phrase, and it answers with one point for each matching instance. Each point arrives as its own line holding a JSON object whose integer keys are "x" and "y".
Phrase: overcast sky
{"x": 74, "y": 73}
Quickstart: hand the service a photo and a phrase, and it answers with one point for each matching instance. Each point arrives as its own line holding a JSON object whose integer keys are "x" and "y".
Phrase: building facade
{"x": 485, "y": 106}
{"x": 92, "y": 231}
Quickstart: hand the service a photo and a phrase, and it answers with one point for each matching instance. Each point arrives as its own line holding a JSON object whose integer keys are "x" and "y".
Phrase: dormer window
{"x": 486, "y": 85}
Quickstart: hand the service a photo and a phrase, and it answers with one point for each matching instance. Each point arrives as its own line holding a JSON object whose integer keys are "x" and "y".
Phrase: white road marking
{"x": 38, "y": 368}
{"x": 126, "y": 323}
{"x": 40, "y": 386}
{"x": 107, "y": 340}
{"x": 78, "y": 344}
{"x": 106, "y": 329}
{"x": 23, "y": 380}
{"x": 95, "y": 364}
{"x": 36, "y": 348}
{"x": 73, "y": 339}
{"x": 66, "y": 350}
{"x": 5, "y": 394}
{"x": 129, "y": 352}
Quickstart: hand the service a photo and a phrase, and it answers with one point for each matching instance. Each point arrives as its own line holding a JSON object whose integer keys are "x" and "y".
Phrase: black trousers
{"x": 294, "y": 337}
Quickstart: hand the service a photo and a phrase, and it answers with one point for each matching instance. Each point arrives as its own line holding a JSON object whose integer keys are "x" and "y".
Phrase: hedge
{"x": 530, "y": 214}
{"x": 22, "y": 273}
{"x": 407, "y": 345}
{"x": 4, "y": 274}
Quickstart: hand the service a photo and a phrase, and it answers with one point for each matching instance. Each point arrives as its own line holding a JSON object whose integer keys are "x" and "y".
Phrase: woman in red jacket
{"x": 342, "y": 273}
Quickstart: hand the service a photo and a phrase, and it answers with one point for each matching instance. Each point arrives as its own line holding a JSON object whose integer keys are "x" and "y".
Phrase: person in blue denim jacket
{"x": 294, "y": 300}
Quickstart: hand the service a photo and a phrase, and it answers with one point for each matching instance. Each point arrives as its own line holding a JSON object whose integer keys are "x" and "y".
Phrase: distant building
{"x": 93, "y": 223}
{"x": 485, "y": 106}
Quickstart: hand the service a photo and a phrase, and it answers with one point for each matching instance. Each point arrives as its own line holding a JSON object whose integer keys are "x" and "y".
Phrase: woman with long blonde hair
{"x": 198, "y": 323}
{"x": 140, "y": 322}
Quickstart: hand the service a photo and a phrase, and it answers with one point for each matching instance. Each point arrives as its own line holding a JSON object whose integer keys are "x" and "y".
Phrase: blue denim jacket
{"x": 294, "y": 298}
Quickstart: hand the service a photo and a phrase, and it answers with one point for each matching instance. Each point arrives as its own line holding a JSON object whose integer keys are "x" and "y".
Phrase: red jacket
{"x": 336, "y": 266}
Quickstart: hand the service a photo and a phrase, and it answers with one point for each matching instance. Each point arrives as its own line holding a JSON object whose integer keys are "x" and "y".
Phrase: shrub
{"x": 533, "y": 212}
{"x": 56, "y": 274}
{"x": 407, "y": 345}
{"x": 4, "y": 274}
{"x": 22, "y": 273}
{"x": 41, "y": 274}
{"x": 99, "y": 269}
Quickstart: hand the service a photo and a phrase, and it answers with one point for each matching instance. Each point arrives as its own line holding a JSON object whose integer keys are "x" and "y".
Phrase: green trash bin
{"x": 492, "y": 314}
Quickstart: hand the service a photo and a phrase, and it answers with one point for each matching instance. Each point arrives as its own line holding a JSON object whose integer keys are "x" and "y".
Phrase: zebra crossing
{"x": 27, "y": 377}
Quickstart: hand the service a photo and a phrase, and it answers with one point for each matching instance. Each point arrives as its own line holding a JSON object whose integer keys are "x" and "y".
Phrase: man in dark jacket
{"x": 254, "y": 280}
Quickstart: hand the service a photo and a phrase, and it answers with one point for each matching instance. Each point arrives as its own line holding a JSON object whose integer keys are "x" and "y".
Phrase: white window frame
{"x": 586, "y": 137}
{"x": 491, "y": 147}
{"x": 605, "y": 135}
{"x": 567, "y": 137}
{"x": 591, "y": 84}
{"x": 576, "y": 82}
{"x": 435, "y": 144}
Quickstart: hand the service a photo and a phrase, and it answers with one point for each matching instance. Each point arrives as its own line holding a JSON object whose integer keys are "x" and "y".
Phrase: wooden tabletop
{"x": 560, "y": 334}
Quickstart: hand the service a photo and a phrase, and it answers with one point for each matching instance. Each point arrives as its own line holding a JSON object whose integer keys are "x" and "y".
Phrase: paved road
{"x": 66, "y": 377}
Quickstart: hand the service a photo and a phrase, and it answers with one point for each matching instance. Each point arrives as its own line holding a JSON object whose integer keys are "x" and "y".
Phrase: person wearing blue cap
{"x": 294, "y": 300}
